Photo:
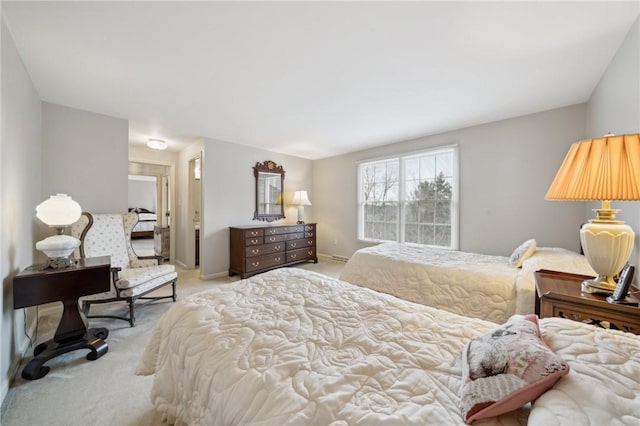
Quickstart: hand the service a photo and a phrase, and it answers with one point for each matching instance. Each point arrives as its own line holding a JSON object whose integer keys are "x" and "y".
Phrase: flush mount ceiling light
{"x": 157, "y": 144}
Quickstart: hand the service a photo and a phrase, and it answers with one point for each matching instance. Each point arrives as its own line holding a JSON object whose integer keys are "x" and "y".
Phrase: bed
{"x": 294, "y": 347}
{"x": 471, "y": 284}
{"x": 146, "y": 222}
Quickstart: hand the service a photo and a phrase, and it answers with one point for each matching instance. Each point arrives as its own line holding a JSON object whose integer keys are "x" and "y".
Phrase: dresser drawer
{"x": 254, "y": 241}
{"x": 251, "y": 233}
{"x": 264, "y": 249}
{"x": 299, "y": 244}
{"x": 303, "y": 254}
{"x": 283, "y": 230}
{"x": 275, "y": 238}
{"x": 262, "y": 262}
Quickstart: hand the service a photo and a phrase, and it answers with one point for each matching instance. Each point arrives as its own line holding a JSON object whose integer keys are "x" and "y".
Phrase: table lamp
{"x": 59, "y": 211}
{"x": 301, "y": 199}
{"x": 604, "y": 169}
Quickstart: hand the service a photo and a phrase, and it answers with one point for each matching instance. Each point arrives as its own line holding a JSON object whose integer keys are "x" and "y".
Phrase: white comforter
{"x": 470, "y": 284}
{"x": 292, "y": 347}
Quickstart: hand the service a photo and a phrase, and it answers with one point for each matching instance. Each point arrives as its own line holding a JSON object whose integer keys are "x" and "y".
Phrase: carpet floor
{"x": 105, "y": 391}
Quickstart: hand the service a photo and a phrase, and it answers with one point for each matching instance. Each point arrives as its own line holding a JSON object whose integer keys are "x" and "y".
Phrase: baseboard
{"x": 214, "y": 275}
{"x": 333, "y": 257}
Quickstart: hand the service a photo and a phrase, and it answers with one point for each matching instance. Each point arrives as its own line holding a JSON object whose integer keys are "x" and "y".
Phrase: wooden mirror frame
{"x": 271, "y": 168}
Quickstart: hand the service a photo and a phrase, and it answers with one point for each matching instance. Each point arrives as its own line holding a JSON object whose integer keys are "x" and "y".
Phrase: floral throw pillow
{"x": 506, "y": 368}
{"x": 524, "y": 251}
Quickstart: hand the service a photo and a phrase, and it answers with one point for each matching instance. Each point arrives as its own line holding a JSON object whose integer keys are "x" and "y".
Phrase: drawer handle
{"x": 254, "y": 264}
{"x": 310, "y": 242}
{"x": 255, "y": 251}
{"x": 254, "y": 241}
{"x": 272, "y": 239}
{"x": 310, "y": 252}
{"x": 293, "y": 256}
{"x": 254, "y": 233}
{"x": 277, "y": 247}
{"x": 277, "y": 259}
{"x": 294, "y": 245}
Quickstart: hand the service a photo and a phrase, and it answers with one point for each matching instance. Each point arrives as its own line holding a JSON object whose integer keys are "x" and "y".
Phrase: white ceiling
{"x": 315, "y": 79}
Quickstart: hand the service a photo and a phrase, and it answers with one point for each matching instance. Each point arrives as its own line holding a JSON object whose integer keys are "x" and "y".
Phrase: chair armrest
{"x": 155, "y": 257}
{"x": 114, "y": 272}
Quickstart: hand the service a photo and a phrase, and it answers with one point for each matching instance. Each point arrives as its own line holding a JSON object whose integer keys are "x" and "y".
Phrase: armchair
{"x": 132, "y": 277}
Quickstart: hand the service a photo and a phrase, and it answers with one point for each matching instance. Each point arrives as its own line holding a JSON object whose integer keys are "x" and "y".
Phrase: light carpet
{"x": 105, "y": 391}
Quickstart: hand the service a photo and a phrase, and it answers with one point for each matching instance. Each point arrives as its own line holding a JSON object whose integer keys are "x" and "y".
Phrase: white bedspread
{"x": 470, "y": 284}
{"x": 292, "y": 347}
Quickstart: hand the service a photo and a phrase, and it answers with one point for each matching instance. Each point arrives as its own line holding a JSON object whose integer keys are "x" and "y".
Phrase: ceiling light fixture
{"x": 157, "y": 144}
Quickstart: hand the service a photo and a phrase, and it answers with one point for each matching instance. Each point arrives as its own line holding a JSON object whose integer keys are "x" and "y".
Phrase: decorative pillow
{"x": 506, "y": 368}
{"x": 524, "y": 251}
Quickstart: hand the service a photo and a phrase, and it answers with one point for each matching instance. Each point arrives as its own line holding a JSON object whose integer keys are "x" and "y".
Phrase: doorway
{"x": 195, "y": 207}
{"x": 150, "y": 197}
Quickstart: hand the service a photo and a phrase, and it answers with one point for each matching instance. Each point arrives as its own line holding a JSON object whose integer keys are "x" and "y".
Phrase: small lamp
{"x": 301, "y": 199}
{"x": 59, "y": 211}
{"x": 602, "y": 169}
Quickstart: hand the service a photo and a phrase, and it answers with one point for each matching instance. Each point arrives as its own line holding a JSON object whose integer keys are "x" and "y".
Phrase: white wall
{"x": 82, "y": 147}
{"x": 506, "y": 168}
{"x": 615, "y": 107}
{"x": 228, "y": 196}
{"x": 143, "y": 193}
{"x": 20, "y": 166}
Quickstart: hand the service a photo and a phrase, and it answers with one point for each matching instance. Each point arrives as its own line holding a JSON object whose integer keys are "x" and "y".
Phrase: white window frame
{"x": 401, "y": 158}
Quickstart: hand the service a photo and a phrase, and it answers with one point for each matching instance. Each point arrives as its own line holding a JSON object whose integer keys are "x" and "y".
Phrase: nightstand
{"x": 558, "y": 294}
{"x": 36, "y": 286}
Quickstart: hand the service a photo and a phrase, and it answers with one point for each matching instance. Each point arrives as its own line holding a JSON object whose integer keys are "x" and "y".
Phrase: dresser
{"x": 255, "y": 249}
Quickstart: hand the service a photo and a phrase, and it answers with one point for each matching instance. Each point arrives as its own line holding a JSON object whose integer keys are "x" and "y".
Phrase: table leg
{"x": 93, "y": 340}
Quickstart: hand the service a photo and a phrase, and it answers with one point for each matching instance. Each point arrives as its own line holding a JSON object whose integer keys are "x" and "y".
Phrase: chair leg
{"x": 173, "y": 286}
{"x": 85, "y": 307}
{"x": 132, "y": 318}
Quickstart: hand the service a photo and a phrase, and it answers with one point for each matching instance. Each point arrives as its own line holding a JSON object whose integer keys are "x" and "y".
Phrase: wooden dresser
{"x": 255, "y": 249}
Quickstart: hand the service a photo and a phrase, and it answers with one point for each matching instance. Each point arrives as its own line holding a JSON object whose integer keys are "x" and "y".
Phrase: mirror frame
{"x": 268, "y": 167}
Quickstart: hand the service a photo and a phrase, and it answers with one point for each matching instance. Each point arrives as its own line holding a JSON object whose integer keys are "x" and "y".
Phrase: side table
{"x": 559, "y": 294}
{"x": 36, "y": 286}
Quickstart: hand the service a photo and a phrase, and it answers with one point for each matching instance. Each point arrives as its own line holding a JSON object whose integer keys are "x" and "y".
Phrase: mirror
{"x": 269, "y": 187}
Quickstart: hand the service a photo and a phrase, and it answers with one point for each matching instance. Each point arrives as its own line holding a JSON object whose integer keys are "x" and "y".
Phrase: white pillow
{"x": 524, "y": 251}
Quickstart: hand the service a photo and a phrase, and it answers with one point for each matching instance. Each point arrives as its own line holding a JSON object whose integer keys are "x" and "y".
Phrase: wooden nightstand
{"x": 35, "y": 286}
{"x": 558, "y": 294}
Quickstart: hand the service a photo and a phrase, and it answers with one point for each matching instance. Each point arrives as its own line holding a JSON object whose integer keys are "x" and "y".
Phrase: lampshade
{"x": 300, "y": 198}
{"x": 607, "y": 168}
{"x": 602, "y": 169}
{"x": 59, "y": 211}
{"x": 158, "y": 144}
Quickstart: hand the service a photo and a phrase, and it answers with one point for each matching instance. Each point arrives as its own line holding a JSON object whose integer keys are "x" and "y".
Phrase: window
{"x": 411, "y": 198}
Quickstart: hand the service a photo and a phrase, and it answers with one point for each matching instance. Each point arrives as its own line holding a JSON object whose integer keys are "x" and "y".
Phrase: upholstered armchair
{"x": 132, "y": 277}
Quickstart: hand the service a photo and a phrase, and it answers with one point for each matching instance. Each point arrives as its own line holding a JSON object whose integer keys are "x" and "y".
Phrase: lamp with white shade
{"x": 59, "y": 212}
{"x": 605, "y": 169}
{"x": 301, "y": 199}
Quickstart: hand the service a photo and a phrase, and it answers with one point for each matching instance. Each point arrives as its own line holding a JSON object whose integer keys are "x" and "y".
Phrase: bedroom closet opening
{"x": 149, "y": 196}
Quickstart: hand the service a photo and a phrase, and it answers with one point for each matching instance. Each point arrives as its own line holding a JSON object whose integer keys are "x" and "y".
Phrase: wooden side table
{"x": 36, "y": 286}
{"x": 558, "y": 294}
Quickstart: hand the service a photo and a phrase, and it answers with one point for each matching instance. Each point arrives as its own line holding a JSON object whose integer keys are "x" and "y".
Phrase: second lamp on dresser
{"x": 256, "y": 249}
